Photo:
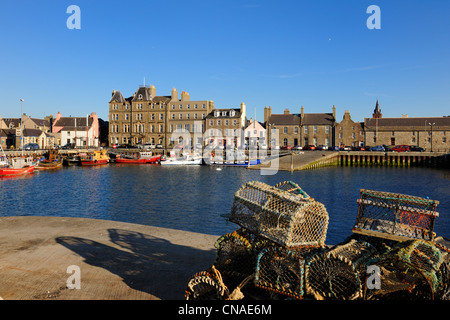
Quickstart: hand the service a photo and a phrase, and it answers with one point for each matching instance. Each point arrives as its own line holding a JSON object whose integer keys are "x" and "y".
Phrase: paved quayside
{"x": 116, "y": 260}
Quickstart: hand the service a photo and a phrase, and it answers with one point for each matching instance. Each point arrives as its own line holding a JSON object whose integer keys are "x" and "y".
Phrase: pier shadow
{"x": 144, "y": 262}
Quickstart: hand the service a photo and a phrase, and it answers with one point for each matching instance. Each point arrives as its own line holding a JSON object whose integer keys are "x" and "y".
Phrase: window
{"x": 195, "y": 106}
{"x": 188, "y": 106}
{"x": 327, "y": 129}
{"x": 161, "y": 116}
{"x": 296, "y": 130}
{"x": 161, "y": 128}
{"x": 173, "y": 107}
{"x": 211, "y": 122}
{"x": 188, "y": 116}
{"x": 153, "y": 116}
{"x": 203, "y": 106}
{"x": 181, "y": 106}
{"x": 285, "y": 142}
{"x": 234, "y": 122}
{"x": 413, "y": 140}
{"x": 219, "y": 122}
{"x": 173, "y": 116}
{"x": 195, "y": 116}
{"x": 127, "y": 116}
{"x": 444, "y": 139}
{"x": 315, "y": 129}
{"x": 393, "y": 133}
{"x": 285, "y": 130}
{"x": 306, "y": 129}
{"x": 180, "y": 116}
{"x": 226, "y": 122}
{"x": 152, "y": 128}
{"x": 353, "y": 135}
{"x": 340, "y": 135}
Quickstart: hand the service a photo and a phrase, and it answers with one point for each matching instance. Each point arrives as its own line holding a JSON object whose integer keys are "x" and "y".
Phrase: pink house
{"x": 81, "y": 131}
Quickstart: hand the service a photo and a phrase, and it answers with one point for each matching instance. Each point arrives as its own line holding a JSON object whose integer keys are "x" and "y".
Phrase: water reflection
{"x": 195, "y": 198}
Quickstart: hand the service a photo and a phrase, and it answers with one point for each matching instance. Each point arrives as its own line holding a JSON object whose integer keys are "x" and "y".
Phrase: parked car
{"x": 286, "y": 148}
{"x": 159, "y": 146}
{"x": 416, "y": 149}
{"x": 401, "y": 148}
{"x": 263, "y": 146}
{"x": 149, "y": 146}
{"x": 31, "y": 146}
{"x": 309, "y": 147}
{"x": 297, "y": 148}
{"x": 68, "y": 146}
{"x": 377, "y": 148}
{"x": 344, "y": 148}
{"x": 333, "y": 148}
{"x": 321, "y": 147}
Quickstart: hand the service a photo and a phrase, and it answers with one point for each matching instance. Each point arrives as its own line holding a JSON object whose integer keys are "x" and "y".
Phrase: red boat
{"x": 16, "y": 172}
{"x": 144, "y": 158}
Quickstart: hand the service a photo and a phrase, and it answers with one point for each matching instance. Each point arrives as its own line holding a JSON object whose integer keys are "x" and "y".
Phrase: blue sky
{"x": 279, "y": 53}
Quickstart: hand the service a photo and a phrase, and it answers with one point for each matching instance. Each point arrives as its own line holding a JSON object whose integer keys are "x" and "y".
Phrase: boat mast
{"x": 21, "y": 127}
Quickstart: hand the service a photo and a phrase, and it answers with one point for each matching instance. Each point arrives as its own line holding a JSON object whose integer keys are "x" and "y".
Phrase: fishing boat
{"x": 143, "y": 158}
{"x": 16, "y": 166}
{"x": 186, "y": 159}
{"x": 51, "y": 161}
{"x": 97, "y": 157}
{"x": 232, "y": 158}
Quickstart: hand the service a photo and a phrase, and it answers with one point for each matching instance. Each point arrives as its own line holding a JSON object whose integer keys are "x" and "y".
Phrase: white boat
{"x": 185, "y": 160}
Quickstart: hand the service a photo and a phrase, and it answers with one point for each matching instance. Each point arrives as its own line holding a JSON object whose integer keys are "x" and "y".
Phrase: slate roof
{"x": 32, "y": 132}
{"x": 317, "y": 119}
{"x": 68, "y": 123}
{"x": 117, "y": 97}
{"x": 406, "y": 123}
{"x": 284, "y": 119}
{"x": 144, "y": 92}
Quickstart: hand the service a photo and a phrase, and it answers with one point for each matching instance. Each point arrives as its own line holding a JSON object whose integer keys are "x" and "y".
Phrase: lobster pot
{"x": 283, "y": 214}
{"x": 235, "y": 257}
{"x": 335, "y": 274}
{"x": 281, "y": 270}
{"x": 206, "y": 285}
{"x": 395, "y": 216}
{"x": 412, "y": 270}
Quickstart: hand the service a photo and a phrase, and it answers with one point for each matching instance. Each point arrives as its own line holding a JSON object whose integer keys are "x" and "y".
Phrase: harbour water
{"x": 198, "y": 198}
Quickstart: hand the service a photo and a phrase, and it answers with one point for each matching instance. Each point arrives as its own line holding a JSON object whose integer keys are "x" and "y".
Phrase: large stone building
{"x": 225, "y": 127}
{"x": 430, "y": 133}
{"x": 147, "y": 118}
{"x": 349, "y": 133}
{"x": 300, "y": 129}
{"x": 318, "y": 129}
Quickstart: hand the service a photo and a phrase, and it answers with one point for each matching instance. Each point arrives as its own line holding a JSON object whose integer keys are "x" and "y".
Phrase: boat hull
{"x": 49, "y": 165}
{"x": 181, "y": 162}
{"x": 6, "y": 172}
{"x": 139, "y": 161}
{"x": 94, "y": 162}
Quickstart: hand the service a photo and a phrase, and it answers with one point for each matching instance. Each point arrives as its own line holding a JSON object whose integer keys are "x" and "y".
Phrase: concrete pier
{"x": 116, "y": 260}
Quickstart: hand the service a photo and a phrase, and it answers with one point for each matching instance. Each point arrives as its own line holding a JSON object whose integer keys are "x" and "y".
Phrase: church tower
{"x": 377, "y": 112}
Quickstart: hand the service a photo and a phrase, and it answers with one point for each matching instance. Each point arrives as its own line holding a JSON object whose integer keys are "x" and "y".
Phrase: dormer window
{"x": 216, "y": 114}
{"x": 140, "y": 97}
{"x": 233, "y": 113}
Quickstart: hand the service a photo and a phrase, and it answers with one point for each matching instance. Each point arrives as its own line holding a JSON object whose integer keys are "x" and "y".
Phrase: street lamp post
{"x": 431, "y": 125}
{"x": 21, "y": 125}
